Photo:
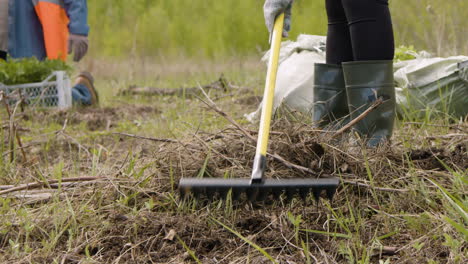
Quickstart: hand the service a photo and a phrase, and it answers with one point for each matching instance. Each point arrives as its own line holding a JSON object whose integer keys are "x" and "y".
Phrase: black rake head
{"x": 213, "y": 188}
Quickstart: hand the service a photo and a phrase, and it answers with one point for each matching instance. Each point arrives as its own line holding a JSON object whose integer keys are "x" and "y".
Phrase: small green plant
{"x": 455, "y": 245}
{"x": 150, "y": 204}
{"x": 305, "y": 248}
{"x": 29, "y": 70}
{"x": 296, "y": 221}
{"x": 457, "y": 208}
{"x": 403, "y": 53}
{"x": 418, "y": 245}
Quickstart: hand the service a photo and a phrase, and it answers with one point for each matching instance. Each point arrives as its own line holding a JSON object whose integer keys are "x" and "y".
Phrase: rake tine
{"x": 330, "y": 193}
{"x": 252, "y": 194}
{"x": 317, "y": 192}
{"x": 276, "y": 192}
{"x": 210, "y": 193}
{"x": 263, "y": 194}
{"x": 236, "y": 194}
{"x": 303, "y": 193}
{"x": 290, "y": 194}
{"x": 182, "y": 193}
{"x": 222, "y": 192}
{"x": 197, "y": 193}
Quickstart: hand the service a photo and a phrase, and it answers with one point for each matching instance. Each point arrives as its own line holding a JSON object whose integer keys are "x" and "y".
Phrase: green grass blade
{"x": 382, "y": 237}
{"x": 460, "y": 228}
{"x": 326, "y": 233}
{"x": 202, "y": 171}
{"x": 191, "y": 253}
{"x": 456, "y": 204}
{"x": 257, "y": 247}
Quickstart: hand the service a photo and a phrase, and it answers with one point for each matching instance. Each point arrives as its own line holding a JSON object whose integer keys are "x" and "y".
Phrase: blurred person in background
{"x": 359, "y": 64}
{"x": 48, "y": 29}
{"x": 3, "y": 29}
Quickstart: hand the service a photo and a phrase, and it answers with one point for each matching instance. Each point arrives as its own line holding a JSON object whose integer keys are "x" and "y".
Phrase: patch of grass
{"x": 409, "y": 198}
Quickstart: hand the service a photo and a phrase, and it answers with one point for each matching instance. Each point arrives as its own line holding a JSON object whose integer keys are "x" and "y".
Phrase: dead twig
{"x": 455, "y": 126}
{"x": 384, "y": 251}
{"x": 64, "y": 134}
{"x": 33, "y": 185}
{"x": 221, "y": 84}
{"x": 448, "y": 136}
{"x": 13, "y": 132}
{"x": 292, "y": 165}
{"x": 22, "y": 148}
{"x": 165, "y": 140}
{"x": 52, "y": 186}
{"x": 371, "y": 108}
{"x": 367, "y": 186}
{"x": 22, "y": 129}
{"x": 213, "y": 106}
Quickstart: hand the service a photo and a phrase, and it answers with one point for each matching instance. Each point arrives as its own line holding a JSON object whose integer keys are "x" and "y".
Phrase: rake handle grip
{"x": 267, "y": 107}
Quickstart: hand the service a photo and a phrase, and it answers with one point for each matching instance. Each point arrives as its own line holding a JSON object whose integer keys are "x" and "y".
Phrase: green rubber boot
{"x": 330, "y": 102}
{"x": 365, "y": 82}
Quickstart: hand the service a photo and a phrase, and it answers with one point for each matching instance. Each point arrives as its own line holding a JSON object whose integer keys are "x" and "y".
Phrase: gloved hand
{"x": 273, "y": 8}
{"x": 79, "y": 45}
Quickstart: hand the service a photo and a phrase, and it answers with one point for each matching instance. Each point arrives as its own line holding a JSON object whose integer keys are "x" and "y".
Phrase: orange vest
{"x": 54, "y": 20}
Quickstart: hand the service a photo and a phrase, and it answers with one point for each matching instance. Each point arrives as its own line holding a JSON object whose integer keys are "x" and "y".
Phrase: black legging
{"x": 3, "y": 55}
{"x": 359, "y": 30}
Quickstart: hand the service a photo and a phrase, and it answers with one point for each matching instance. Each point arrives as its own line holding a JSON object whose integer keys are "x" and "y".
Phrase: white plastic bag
{"x": 295, "y": 74}
{"x": 438, "y": 85}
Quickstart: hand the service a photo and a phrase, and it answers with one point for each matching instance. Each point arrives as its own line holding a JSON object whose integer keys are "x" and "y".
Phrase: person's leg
{"x": 370, "y": 27}
{"x": 83, "y": 91}
{"x": 3, "y": 28}
{"x": 330, "y": 100}
{"x": 329, "y": 103}
{"x": 81, "y": 95}
{"x": 339, "y": 48}
{"x": 370, "y": 77}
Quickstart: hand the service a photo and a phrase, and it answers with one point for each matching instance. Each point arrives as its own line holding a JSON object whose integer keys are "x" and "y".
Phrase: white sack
{"x": 439, "y": 85}
{"x": 295, "y": 74}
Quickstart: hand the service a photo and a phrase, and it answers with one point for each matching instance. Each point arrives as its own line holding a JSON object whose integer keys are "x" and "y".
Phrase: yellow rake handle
{"x": 270, "y": 85}
{"x": 267, "y": 108}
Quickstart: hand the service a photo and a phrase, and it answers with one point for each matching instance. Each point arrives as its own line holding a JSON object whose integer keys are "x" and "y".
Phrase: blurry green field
{"x": 213, "y": 28}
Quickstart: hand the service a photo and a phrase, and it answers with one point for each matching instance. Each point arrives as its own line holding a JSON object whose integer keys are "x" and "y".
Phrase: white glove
{"x": 273, "y": 8}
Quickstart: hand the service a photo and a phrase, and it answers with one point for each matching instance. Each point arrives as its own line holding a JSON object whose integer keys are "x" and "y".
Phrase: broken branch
{"x": 371, "y": 108}
{"x": 29, "y": 186}
{"x": 166, "y": 140}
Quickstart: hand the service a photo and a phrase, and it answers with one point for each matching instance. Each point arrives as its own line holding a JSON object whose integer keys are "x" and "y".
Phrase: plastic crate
{"x": 54, "y": 91}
